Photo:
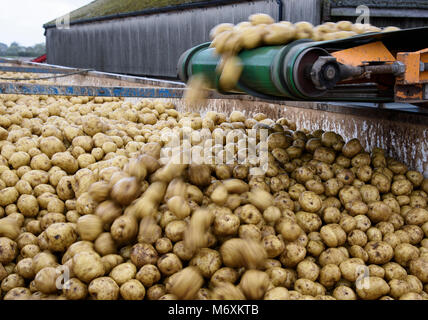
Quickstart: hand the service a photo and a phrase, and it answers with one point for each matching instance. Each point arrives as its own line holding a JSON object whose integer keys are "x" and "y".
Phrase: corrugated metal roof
{"x": 102, "y": 8}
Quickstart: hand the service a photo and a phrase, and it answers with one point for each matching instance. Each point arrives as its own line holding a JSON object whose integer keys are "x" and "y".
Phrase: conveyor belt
{"x": 295, "y": 71}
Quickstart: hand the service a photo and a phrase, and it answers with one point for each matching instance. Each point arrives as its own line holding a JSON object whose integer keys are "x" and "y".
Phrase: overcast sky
{"x": 22, "y": 20}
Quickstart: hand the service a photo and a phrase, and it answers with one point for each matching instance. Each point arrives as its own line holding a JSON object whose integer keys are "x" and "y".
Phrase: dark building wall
{"x": 400, "y": 13}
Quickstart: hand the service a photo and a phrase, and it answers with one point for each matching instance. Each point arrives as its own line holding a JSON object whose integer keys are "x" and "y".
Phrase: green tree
{"x": 16, "y": 50}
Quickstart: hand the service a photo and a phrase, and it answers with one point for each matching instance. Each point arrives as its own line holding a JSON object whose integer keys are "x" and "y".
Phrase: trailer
{"x": 399, "y": 128}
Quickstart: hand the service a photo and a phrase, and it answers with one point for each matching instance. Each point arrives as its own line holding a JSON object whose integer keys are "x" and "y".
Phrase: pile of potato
{"x": 29, "y": 77}
{"x": 261, "y": 30}
{"x": 91, "y": 208}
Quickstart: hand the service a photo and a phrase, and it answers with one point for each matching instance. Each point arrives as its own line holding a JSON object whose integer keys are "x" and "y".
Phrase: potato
{"x": 219, "y": 29}
{"x": 344, "y": 293}
{"x": 310, "y": 202}
{"x": 379, "y": 211}
{"x": 227, "y": 291}
{"x": 309, "y": 222}
{"x": 376, "y": 288}
{"x": 249, "y": 214}
{"x": 51, "y": 145}
{"x": 329, "y": 275}
{"x": 12, "y": 281}
{"x": 142, "y": 254}
{"x": 23, "y": 187}
{"x": 379, "y": 252}
{"x": 415, "y": 285}
{"x": 43, "y": 260}
{"x": 260, "y": 18}
{"x": 344, "y": 25}
{"x": 18, "y": 293}
{"x": 60, "y": 236}
{"x": 308, "y": 287}
{"x": 349, "y": 194}
{"x": 175, "y": 230}
{"x": 108, "y": 211}
{"x": 333, "y": 235}
{"x": 401, "y": 187}
{"x": 374, "y": 234}
{"x": 132, "y": 290}
{"x": 254, "y": 284}
{"x": 381, "y": 181}
{"x": 89, "y": 227}
{"x": 222, "y": 275}
{"x": 238, "y": 252}
{"x": 169, "y": 264}
{"x": 123, "y": 273}
{"x": 148, "y": 275}
{"x": 26, "y": 238}
{"x": 110, "y": 261}
{"x": 74, "y": 289}
{"x": 45, "y": 280}
{"x": 332, "y": 256}
{"x": 273, "y": 245}
{"x": 351, "y": 269}
{"x": 207, "y": 261}
{"x": 105, "y": 244}
{"x": 8, "y": 196}
{"x": 9, "y": 228}
{"x": 124, "y": 229}
{"x": 292, "y": 255}
{"x": 185, "y": 283}
{"x": 404, "y": 253}
{"x": 103, "y": 288}
{"x": 64, "y": 188}
{"x": 278, "y": 293}
{"x": 65, "y": 161}
{"x": 398, "y": 288}
{"x": 278, "y": 33}
{"x": 149, "y": 231}
{"x": 179, "y": 207}
{"x": 19, "y": 159}
{"x": 199, "y": 175}
{"x": 88, "y": 266}
{"x": 304, "y": 30}
{"x": 8, "y": 250}
{"x": 417, "y": 216}
{"x": 99, "y": 191}
{"x": 308, "y": 270}
{"x": 231, "y": 72}
{"x": 418, "y": 268}
{"x": 415, "y": 233}
{"x": 357, "y": 237}
{"x": 323, "y": 209}
{"x": 125, "y": 191}
{"x": 411, "y": 296}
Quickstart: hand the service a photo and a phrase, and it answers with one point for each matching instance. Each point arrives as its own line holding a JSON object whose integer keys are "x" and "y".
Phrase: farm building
{"x": 147, "y": 37}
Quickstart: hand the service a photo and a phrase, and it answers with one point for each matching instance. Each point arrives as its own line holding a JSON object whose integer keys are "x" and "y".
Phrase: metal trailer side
{"x": 402, "y": 130}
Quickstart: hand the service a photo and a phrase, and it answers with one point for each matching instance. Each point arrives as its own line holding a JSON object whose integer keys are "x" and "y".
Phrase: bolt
{"x": 330, "y": 72}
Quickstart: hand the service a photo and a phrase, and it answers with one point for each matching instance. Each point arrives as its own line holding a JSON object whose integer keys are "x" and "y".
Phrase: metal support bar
{"x": 40, "y": 89}
{"x": 34, "y": 70}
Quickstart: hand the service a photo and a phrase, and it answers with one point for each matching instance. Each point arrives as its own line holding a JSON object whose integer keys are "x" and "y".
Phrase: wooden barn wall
{"x": 151, "y": 44}
{"x": 144, "y": 45}
{"x": 302, "y": 10}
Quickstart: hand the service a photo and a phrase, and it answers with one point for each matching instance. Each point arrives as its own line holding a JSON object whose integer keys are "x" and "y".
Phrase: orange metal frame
{"x": 412, "y": 61}
{"x": 375, "y": 51}
{"x": 409, "y": 87}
